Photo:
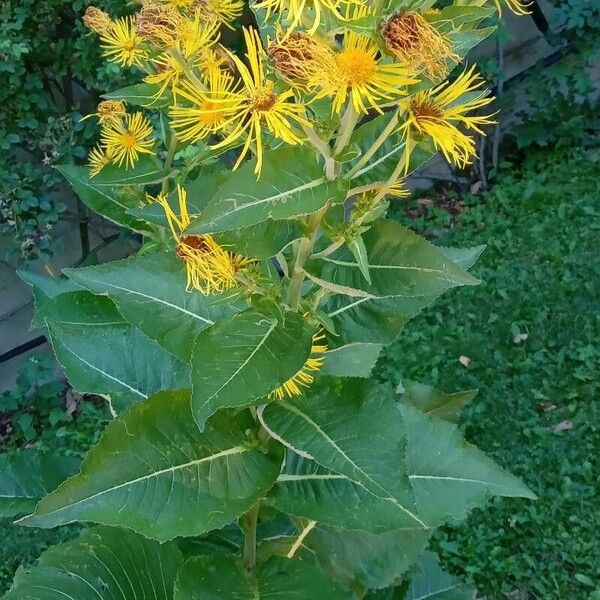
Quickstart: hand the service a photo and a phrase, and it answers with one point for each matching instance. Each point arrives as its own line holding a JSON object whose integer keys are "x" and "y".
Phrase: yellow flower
{"x": 398, "y": 190}
{"x": 412, "y": 39}
{"x": 123, "y": 44}
{"x": 97, "y": 20}
{"x": 307, "y": 13}
{"x": 209, "y": 267}
{"x": 303, "y": 378}
{"x": 517, "y": 6}
{"x": 109, "y": 111}
{"x": 359, "y": 73}
{"x": 98, "y": 158}
{"x": 193, "y": 36}
{"x": 438, "y": 112}
{"x": 238, "y": 111}
{"x": 222, "y": 12}
{"x": 208, "y": 111}
{"x": 125, "y": 140}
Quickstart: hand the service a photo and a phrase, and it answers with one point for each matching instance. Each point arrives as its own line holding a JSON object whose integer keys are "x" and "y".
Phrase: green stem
{"x": 383, "y": 136}
{"x": 169, "y": 162}
{"x": 250, "y": 521}
{"x": 185, "y": 67}
{"x": 348, "y": 123}
{"x": 323, "y": 147}
{"x": 400, "y": 168}
{"x": 305, "y": 248}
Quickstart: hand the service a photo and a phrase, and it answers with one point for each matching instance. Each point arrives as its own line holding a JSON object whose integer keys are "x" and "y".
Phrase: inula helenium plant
{"x": 251, "y": 455}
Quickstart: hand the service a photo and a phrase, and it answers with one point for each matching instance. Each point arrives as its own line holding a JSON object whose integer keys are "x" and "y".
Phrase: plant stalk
{"x": 250, "y": 521}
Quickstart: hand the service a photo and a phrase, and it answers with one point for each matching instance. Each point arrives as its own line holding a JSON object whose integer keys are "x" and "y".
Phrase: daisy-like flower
{"x": 516, "y": 6}
{"x": 206, "y": 111}
{"x": 359, "y": 72}
{"x": 438, "y": 113}
{"x": 307, "y": 13}
{"x": 126, "y": 139}
{"x": 222, "y": 12}
{"x": 123, "y": 44}
{"x": 98, "y": 158}
{"x": 209, "y": 267}
{"x": 413, "y": 40}
{"x": 303, "y": 378}
{"x": 109, "y": 111}
{"x": 244, "y": 110}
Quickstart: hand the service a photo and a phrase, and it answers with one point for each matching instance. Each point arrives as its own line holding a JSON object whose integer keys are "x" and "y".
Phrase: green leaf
{"x": 27, "y": 475}
{"x": 291, "y": 184}
{"x": 224, "y": 578}
{"x": 154, "y": 472}
{"x": 374, "y": 561}
{"x": 352, "y": 427}
{"x": 240, "y": 360}
{"x": 150, "y": 293}
{"x": 408, "y": 274}
{"x": 44, "y": 290}
{"x": 463, "y": 257}
{"x": 83, "y": 308}
{"x": 434, "y": 402}
{"x": 103, "y": 563}
{"x": 305, "y": 489}
{"x": 352, "y": 360}
{"x": 359, "y": 252}
{"x": 115, "y": 360}
{"x": 140, "y": 94}
{"x": 430, "y": 582}
{"x": 383, "y": 163}
{"x": 449, "y": 476}
{"x": 145, "y": 172}
{"x": 111, "y": 203}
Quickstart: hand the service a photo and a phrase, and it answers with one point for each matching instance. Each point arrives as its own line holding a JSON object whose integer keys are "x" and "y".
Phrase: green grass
{"x": 540, "y": 277}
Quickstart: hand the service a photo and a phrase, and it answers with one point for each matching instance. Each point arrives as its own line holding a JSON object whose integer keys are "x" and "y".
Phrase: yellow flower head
{"x": 199, "y": 113}
{"x": 303, "y": 378}
{"x": 222, "y": 12}
{"x": 126, "y": 139}
{"x": 97, "y": 20}
{"x": 122, "y": 43}
{"x": 516, "y": 6}
{"x": 358, "y": 72}
{"x": 110, "y": 111}
{"x": 238, "y": 111}
{"x": 438, "y": 112}
{"x": 209, "y": 267}
{"x": 158, "y": 23}
{"x": 306, "y": 13}
{"x": 412, "y": 39}
{"x": 98, "y": 158}
{"x": 196, "y": 37}
{"x": 299, "y": 56}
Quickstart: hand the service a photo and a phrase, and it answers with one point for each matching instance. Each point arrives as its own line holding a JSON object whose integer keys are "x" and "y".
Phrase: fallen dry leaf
{"x": 520, "y": 338}
{"x": 548, "y": 407}
{"x": 563, "y": 426}
{"x": 465, "y": 361}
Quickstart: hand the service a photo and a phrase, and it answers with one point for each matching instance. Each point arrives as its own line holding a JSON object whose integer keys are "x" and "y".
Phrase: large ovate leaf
{"x": 352, "y": 360}
{"x": 154, "y": 472}
{"x": 430, "y": 582}
{"x": 434, "y": 402}
{"x": 242, "y": 359}
{"x": 306, "y": 489}
{"x": 115, "y": 360}
{"x": 150, "y": 292}
{"x": 44, "y": 290}
{"x": 224, "y": 578}
{"x": 83, "y": 308}
{"x": 112, "y": 203}
{"x": 463, "y": 257}
{"x": 408, "y": 273}
{"x": 147, "y": 170}
{"x": 27, "y": 475}
{"x": 448, "y": 475}
{"x": 103, "y": 563}
{"x": 291, "y": 184}
{"x": 351, "y": 426}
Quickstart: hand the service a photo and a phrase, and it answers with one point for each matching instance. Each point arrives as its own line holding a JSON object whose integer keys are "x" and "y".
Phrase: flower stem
{"x": 169, "y": 162}
{"x": 185, "y": 67}
{"x": 249, "y": 522}
{"x": 348, "y": 123}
